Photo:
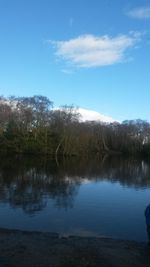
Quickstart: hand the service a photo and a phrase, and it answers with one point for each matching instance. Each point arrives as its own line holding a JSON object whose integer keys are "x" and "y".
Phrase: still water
{"x": 95, "y": 197}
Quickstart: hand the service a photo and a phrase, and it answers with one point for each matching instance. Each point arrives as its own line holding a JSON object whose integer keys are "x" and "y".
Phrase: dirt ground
{"x": 25, "y": 249}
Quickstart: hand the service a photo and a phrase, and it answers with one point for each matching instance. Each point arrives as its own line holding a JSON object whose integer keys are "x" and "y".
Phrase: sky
{"x": 94, "y": 54}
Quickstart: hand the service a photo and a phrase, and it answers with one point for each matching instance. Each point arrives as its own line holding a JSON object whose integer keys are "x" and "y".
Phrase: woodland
{"x": 30, "y": 125}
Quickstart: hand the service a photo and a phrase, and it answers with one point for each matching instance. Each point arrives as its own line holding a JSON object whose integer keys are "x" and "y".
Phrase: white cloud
{"x": 142, "y": 12}
{"x": 67, "y": 71}
{"x": 92, "y": 51}
{"x": 71, "y": 21}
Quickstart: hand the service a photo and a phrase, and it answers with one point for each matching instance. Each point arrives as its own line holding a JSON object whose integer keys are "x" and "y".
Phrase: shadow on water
{"x": 29, "y": 182}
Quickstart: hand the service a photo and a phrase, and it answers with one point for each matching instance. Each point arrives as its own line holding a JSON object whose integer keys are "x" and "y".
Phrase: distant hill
{"x": 91, "y": 115}
{"x": 86, "y": 114}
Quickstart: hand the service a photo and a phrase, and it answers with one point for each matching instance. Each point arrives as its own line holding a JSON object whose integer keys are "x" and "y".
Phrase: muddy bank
{"x": 25, "y": 249}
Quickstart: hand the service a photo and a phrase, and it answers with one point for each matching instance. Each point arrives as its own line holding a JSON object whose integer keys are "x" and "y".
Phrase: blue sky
{"x": 91, "y": 53}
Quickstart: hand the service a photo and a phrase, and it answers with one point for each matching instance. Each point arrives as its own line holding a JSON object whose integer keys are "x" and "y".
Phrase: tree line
{"x": 31, "y": 125}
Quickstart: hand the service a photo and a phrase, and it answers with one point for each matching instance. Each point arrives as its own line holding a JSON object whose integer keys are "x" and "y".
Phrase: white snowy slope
{"x": 85, "y": 114}
{"x": 91, "y": 115}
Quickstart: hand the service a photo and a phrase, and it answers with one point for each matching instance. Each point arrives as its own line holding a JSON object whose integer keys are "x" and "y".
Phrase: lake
{"x": 86, "y": 197}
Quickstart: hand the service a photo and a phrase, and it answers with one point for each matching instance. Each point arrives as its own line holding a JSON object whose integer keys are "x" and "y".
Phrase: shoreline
{"x": 25, "y": 249}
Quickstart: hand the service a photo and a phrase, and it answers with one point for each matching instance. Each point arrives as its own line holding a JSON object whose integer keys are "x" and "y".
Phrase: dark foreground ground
{"x": 25, "y": 249}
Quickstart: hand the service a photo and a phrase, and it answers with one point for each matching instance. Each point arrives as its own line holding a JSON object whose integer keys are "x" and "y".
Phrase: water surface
{"x": 98, "y": 197}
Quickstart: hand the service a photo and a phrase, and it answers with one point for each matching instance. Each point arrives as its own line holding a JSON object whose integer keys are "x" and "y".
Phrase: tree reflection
{"x": 29, "y": 183}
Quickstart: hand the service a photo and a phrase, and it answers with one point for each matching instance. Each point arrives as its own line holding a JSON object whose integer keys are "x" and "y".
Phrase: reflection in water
{"x": 28, "y": 182}
{"x": 81, "y": 196}
{"x": 147, "y": 217}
